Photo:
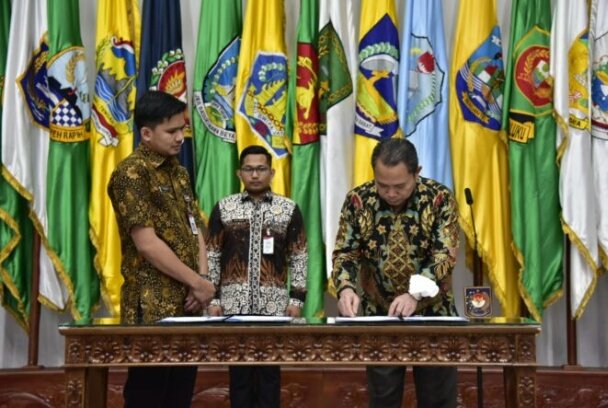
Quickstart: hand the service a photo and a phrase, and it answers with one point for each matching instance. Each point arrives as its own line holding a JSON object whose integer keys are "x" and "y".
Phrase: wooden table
{"x": 91, "y": 350}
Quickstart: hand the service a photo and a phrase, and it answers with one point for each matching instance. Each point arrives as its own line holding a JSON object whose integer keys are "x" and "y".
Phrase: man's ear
{"x": 145, "y": 133}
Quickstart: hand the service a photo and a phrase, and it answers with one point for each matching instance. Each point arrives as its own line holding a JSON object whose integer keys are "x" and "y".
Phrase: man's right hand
{"x": 348, "y": 303}
{"x": 203, "y": 291}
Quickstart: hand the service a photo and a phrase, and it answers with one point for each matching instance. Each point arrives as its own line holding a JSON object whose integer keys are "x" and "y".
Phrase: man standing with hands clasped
{"x": 396, "y": 246}
{"x": 164, "y": 260}
{"x": 257, "y": 245}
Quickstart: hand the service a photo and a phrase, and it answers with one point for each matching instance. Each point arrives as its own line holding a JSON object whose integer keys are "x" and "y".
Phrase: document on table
{"x": 367, "y": 319}
{"x": 193, "y": 319}
{"x": 431, "y": 319}
{"x": 258, "y": 319}
{"x": 395, "y": 319}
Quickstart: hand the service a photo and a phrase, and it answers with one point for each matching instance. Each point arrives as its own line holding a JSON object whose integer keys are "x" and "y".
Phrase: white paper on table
{"x": 430, "y": 319}
{"x": 258, "y": 319}
{"x": 193, "y": 319}
{"x": 367, "y": 319}
{"x": 395, "y": 319}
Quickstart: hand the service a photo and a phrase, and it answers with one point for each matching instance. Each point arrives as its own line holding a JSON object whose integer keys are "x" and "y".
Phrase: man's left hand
{"x": 192, "y": 305}
{"x": 293, "y": 311}
{"x": 403, "y": 305}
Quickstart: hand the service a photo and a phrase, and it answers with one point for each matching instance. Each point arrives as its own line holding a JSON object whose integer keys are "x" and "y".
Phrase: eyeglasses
{"x": 259, "y": 170}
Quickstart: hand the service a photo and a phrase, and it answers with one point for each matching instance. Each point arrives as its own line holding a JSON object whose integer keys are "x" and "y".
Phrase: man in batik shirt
{"x": 257, "y": 244}
{"x": 164, "y": 260}
{"x": 394, "y": 254}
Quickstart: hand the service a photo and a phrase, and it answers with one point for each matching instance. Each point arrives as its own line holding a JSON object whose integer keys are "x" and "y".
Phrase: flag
{"x": 527, "y": 118}
{"x": 117, "y": 46}
{"x": 25, "y": 132}
{"x": 261, "y": 87}
{"x": 337, "y": 64}
{"x": 376, "y": 110}
{"x": 161, "y": 62}
{"x": 479, "y": 152}
{"x": 423, "y": 88}
{"x": 219, "y": 42}
{"x": 16, "y": 230}
{"x": 571, "y": 70}
{"x": 68, "y": 170}
{"x": 303, "y": 129}
{"x": 599, "y": 118}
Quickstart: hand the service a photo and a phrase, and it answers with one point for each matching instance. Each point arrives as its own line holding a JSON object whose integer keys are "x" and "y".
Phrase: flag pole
{"x": 34, "y": 316}
{"x": 572, "y": 359}
{"x": 478, "y": 281}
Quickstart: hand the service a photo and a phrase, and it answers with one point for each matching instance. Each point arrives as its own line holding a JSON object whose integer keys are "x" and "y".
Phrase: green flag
{"x": 528, "y": 121}
{"x": 16, "y": 230}
{"x": 214, "y": 92}
{"x": 68, "y": 171}
{"x": 303, "y": 129}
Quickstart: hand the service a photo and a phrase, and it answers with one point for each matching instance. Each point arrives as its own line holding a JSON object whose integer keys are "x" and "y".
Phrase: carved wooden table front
{"x": 90, "y": 350}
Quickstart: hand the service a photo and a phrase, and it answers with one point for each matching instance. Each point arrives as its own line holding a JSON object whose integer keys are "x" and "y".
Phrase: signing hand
{"x": 348, "y": 304}
{"x": 403, "y": 305}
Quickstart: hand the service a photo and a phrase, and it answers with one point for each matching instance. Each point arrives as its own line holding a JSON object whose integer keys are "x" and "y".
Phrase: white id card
{"x": 268, "y": 247}
{"x": 192, "y": 224}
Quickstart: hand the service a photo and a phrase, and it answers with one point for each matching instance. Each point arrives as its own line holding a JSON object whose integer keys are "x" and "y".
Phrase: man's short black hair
{"x": 154, "y": 107}
{"x": 255, "y": 149}
{"x": 391, "y": 152}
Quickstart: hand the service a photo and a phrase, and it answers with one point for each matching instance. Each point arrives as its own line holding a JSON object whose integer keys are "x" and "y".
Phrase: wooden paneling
{"x": 91, "y": 350}
{"x": 315, "y": 387}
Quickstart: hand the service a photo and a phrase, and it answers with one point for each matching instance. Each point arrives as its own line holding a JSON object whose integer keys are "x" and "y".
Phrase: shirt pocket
{"x": 163, "y": 197}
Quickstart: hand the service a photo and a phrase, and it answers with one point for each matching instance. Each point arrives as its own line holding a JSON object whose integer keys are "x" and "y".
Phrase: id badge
{"x": 268, "y": 246}
{"x": 193, "y": 226}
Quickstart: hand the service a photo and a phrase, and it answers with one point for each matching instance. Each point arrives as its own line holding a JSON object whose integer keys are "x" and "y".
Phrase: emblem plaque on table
{"x": 478, "y": 302}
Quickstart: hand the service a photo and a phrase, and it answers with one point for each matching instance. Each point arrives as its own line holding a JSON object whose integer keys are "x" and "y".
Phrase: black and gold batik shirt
{"x": 377, "y": 249}
{"x": 250, "y": 279}
{"x": 150, "y": 190}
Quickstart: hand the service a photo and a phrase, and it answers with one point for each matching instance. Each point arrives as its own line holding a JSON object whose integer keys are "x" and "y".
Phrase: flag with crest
{"x": 219, "y": 43}
{"x": 68, "y": 168}
{"x": 423, "y": 88}
{"x": 117, "y": 46}
{"x": 303, "y": 129}
{"x": 261, "y": 87}
{"x": 161, "y": 63}
{"x": 16, "y": 230}
{"x": 479, "y": 151}
{"x": 25, "y": 133}
{"x": 570, "y": 68}
{"x": 376, "y": 109}
{"x": 530, "y": 127}
{"x": 337, "y": 65}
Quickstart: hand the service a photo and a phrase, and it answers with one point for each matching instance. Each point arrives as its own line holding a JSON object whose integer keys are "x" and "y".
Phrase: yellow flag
{"x": 376, "y": 110}
{"x": 479, "y": 150}
{"x": 117, "y": 44}
{"x": 261, "y": 87}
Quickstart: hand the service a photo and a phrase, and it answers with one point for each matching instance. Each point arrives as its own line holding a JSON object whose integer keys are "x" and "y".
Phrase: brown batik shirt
{"x": 150, "y": 190}
{"x": 425, "y": 243}
{"x": 250, "y": 280}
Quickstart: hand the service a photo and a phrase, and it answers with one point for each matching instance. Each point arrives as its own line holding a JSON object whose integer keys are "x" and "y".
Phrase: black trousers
{"x": 159, "y": 387}
{"x": 436, "y": 387}
{"x": 255, "y": 386}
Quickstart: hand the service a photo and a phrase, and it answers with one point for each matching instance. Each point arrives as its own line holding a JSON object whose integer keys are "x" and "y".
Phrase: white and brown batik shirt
{"x": 255, "y": 248}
